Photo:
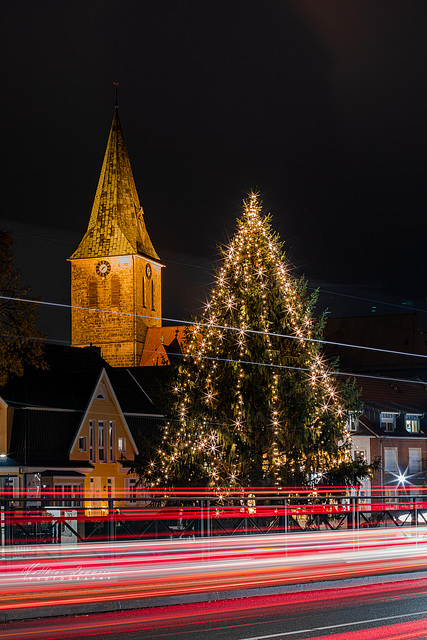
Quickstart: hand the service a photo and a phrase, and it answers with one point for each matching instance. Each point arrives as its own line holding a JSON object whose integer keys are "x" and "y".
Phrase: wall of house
{"x": 108, "y": 478}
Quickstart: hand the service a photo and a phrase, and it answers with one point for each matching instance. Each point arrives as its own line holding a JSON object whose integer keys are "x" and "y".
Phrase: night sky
{"x": 321, "y": 105}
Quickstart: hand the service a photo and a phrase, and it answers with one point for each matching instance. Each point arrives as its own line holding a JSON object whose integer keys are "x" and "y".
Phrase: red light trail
{"x": 47, "y": 576}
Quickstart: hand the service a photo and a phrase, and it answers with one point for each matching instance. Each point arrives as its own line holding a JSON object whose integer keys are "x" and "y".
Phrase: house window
{"x": 112, "y": 440}
{"x": 130, "y": 490}
{"x": 412, "y": 422}
{"x": 415, "y": 461}
{"x": 388, "y": 421}
{"x": 101, "y": 441}
{"x": 82, "y": 443}
{"x": 68, "y": 495}
{"x": 92, "y": 440}
{"x": 360, "y": 454}
{"x": 390, "y": 460}
{"x": 352, "y": 422}
{"x": 110, "y": 488}
{"x": 121, "y": 445}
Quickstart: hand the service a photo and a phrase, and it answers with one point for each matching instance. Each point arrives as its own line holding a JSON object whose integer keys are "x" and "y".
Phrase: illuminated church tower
{"x": 115, "y": 271}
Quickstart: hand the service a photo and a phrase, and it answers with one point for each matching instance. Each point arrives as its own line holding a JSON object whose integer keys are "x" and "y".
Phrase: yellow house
{"x": 70, "y": 433}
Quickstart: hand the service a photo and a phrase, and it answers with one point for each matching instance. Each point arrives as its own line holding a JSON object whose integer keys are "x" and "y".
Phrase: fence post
{"x": 111, "y": 522}
{"x": 201, "y": 523}
{"x": 208, "y": 527}
{"x": 349, "y": 508}
{"x": 285, "y": 516}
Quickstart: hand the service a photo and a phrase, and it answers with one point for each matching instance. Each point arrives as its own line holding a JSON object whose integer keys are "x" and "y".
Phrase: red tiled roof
{"x": 161, "y": 342}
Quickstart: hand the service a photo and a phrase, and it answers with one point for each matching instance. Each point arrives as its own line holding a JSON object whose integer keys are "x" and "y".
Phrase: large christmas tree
{"x": 254, "y": 402}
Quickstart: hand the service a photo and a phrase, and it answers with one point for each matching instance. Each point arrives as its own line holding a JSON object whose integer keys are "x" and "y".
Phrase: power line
{"x": 216, "y": 326}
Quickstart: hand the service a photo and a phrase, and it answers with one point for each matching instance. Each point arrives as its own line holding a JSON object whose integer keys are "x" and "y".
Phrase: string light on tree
{"x": 236, "y": 423}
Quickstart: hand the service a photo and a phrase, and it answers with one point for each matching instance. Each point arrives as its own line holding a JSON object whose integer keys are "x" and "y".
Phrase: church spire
{"x": 116, "y": 225}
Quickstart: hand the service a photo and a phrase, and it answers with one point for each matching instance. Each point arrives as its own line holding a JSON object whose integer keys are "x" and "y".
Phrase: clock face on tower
{"x": 148, "y": 270}
{"x": 103, "y": 268}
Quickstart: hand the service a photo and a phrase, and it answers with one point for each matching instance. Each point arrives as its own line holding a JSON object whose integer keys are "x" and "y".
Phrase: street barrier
{"x": 188, "y": 514}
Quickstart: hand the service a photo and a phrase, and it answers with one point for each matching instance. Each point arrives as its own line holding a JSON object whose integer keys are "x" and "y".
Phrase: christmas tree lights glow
{"x": 234, "y": 423}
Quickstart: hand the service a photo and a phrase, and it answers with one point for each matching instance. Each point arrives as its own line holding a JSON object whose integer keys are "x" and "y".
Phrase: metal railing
{"x": 168, "y": 514}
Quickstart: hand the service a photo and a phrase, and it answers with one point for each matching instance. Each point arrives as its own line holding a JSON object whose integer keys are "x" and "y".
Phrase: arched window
{"x": 115, "y": 291}
{"x": 152, "y": 295}
{"x": 143, "y": 291}
{"x": 92, "y": 292}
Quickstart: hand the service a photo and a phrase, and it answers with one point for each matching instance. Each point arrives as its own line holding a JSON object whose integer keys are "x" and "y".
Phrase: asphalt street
{"x": 374, "y": 610}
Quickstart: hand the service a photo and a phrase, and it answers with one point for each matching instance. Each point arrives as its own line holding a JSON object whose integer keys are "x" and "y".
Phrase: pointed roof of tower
{"x": 116, "y": 225}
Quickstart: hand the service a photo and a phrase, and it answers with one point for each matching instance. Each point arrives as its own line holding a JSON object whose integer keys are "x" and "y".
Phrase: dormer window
{"x": 388, "y": 421}
{"x": 412, "y": 422}
{"x": 352, "y": 422}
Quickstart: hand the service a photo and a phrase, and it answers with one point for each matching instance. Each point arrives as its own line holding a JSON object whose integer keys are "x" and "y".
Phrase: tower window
{"x": 143, "y": 292}
{"x": 152, "y": 295}
{"x": 92, "y": 292}
{"x": 115, "y": 291}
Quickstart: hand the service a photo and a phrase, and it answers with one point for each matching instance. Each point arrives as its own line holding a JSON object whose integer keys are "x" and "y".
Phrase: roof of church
{"x": 161, "y": 343}
{"x": 116, "y": 225}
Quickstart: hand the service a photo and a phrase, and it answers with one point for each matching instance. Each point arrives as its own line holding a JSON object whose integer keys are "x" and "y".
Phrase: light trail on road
{"x": 44, "y": 577}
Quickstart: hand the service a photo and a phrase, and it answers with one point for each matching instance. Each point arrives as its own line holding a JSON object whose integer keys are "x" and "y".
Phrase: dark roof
{"x": 401, "y": 333}
{"x": 409, "y": 397}
{"x": 41, "y": 437}
{"x": 49, "y": 405}
{"x": 69, "y": 382}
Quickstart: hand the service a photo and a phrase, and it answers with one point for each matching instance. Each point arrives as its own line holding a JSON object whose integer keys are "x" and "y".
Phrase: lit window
{"x": 101, "y": 441}
{"x": 111, "y": 440}
{"x": 121, "y": 445}
{"x": 412, "y": 422}
{"x": 92, "y": 440}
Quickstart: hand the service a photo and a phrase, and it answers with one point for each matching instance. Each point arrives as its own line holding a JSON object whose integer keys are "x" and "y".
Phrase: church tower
{"x": 115, "y": 272}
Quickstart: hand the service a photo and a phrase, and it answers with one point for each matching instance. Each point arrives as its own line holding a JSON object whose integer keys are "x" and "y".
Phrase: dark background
{"x": 319, "y": 105}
